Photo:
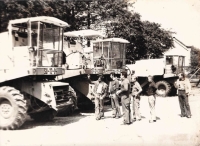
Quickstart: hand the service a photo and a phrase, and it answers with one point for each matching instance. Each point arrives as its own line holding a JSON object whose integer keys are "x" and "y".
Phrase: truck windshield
{"x": 50, "y": 37}
{"x": 112, "y": 52}
{"x": 50, "y": 45}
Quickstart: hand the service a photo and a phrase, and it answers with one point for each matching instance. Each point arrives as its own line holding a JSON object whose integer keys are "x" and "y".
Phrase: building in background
{"x": 180, "y": 49}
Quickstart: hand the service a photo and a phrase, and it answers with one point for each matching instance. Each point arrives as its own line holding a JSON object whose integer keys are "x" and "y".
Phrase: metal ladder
{"x": 194, "y": 74}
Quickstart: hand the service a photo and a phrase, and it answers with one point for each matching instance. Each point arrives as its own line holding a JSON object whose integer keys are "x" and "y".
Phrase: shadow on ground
{"x": 57, "y": 121}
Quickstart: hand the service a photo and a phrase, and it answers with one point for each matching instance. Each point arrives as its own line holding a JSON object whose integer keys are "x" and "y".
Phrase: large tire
{"x": 13, "y": 108}
{"x": 164, "y": 88}
{"x": 69, "y": 109}
{"x": 44, "y": 116}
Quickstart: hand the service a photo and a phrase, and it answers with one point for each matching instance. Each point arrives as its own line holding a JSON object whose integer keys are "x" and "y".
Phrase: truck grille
{"x": 61, "y": 93}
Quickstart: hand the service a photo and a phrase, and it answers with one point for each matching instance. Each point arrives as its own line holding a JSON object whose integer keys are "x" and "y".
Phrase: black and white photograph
{"x": 99, "y": 72}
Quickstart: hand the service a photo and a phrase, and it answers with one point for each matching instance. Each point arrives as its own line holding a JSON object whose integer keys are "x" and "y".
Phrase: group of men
{"x": 125, "y": 93}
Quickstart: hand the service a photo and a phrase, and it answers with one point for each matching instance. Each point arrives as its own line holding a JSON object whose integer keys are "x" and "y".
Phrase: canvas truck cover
{"x": 84, "y": 33}
{"x": 46, "y": 19}
{"x": 143, "y": 68}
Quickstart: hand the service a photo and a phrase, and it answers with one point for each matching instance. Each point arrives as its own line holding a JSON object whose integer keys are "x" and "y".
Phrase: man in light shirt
{"x": 100, "y": 91}
{"x": 151, "y": 93}
{"x": 184, "y": 88}
{"x": 136, "y": 90}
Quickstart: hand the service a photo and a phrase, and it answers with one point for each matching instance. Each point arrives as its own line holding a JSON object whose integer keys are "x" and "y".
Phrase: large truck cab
{"x": 89, "y": 55}
{"x": 174, "y": 64}
{"x": 108, "y": 55}
{"x": 30, "y": 60}
{"x": 40, "y": 41}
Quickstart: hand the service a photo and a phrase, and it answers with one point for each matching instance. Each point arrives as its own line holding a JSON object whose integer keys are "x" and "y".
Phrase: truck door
{"x": 181, "y": 63}
{"x": 178, "y": 62}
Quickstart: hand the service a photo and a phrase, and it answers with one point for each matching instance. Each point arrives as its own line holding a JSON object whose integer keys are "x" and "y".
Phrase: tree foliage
{"x": 195, "y": 57}
{"x": 147, "y": 39}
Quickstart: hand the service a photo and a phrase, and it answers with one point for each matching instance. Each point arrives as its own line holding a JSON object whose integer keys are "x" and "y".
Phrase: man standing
{"x": 113, "y": 87}
{"x": 136, "y": 90}
{"x": 151, "y": 91}
{"x": 184, "y": 88}
{"x": 100, "y": 91}
{"x": 125, "y": 99}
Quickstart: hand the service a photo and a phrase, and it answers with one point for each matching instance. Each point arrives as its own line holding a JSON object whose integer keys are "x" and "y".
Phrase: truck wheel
{"x": 43, "y": 116}
{"x": 12, "y": 108}
{"x": 74, "y": 105}
{"x": 163, "y": 88}
{"x": 69, "y": 109}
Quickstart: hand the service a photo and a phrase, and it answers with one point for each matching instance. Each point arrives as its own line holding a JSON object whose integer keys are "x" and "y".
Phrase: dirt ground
{"x": 81, "y": 128}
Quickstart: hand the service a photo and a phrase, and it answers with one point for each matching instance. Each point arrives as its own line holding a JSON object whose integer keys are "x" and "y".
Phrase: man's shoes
{"x": 188, "y": 116}
{"x": 117, "y": 117}
{"x": 151, "y": 121}
{"x": 102, "y": 116}
{"x": 183, "y": 116}
{"x": 98, "y": 119}
{"x": 124, "y": 123}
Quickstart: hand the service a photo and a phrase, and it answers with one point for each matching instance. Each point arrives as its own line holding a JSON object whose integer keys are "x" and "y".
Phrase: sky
{"x": 180, "y": 16}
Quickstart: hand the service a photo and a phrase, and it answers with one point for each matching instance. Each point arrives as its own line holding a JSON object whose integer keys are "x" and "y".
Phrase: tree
{"x": 157, "y": 40}
{"x": 147, "y": 39}
{"x": 195, "y": 57}
{"x": 22, "y": 9}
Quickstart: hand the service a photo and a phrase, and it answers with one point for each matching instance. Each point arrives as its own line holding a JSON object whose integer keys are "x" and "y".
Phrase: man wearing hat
{"x": 100, "y": 91}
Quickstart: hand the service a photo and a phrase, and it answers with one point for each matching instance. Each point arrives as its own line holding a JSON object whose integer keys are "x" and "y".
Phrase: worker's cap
{"x": 132, "y": 72}
{"x": 100, "y": 75}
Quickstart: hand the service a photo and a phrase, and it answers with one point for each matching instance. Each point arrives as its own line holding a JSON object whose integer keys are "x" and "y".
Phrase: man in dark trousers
{"x": 151, "y": 91}
{"x": 184, "y": 88}
{"x": 100, "y": 91}
{"x": 125, "y": 99}
{"x": 113, "y": 87}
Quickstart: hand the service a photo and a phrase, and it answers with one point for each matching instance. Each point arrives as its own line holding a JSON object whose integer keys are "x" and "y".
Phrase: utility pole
{"x": 88, "y": 15}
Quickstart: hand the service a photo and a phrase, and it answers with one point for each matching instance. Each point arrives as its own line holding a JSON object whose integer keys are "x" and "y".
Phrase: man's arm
{"x": 188, "y": 86}
{"x": 117, "y": 84}
{"x": 176, "y": 84}
{"x": 153, "y": 85}
{"x": 125, "y": 88}
{"x": 105, "y": 91}
{"x": 139, "y": 88}
{"x": 95, "y": 88}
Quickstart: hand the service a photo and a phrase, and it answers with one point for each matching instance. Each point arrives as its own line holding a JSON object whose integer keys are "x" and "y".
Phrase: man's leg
{"x": 133, "y": 107}
{"x": 187, "y": 106}
{"x": 101, "y": 102}
{"x": 181, "y": 103}
{"x": 97, "y": 107}
{"x": 137, "y": 108}
{"x": 152, "y": 108}
{"x": 126, "y": 108}
{"x": 114, "y": 108}
{"x": 117, "y": 106}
